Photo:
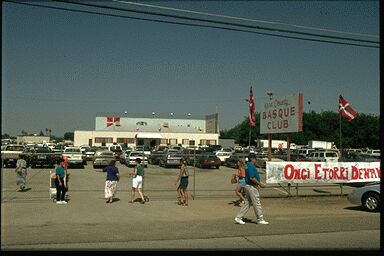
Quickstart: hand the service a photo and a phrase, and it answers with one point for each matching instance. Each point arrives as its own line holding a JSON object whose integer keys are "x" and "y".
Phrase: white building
{"x": 135, "y": 130}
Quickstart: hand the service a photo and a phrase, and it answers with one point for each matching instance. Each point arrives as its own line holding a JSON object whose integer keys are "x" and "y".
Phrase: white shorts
{"x": 137, "y": 182}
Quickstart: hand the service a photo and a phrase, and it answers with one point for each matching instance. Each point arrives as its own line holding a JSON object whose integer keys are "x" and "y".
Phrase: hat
{"x": 251, "y": 156}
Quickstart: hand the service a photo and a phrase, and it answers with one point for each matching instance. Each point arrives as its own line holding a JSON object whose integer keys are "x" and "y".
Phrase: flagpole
{"x": 249, "y": 143}
{"x": 340, "y": 136}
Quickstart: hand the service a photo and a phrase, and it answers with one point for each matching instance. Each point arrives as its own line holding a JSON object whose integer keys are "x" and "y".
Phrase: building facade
{"x": 133, "y": 130}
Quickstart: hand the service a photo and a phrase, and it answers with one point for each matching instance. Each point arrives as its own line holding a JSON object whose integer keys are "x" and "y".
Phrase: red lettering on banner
{"x": 378, "y": 172}
{"x": 372, "y": 172}
{"x": 291, "y": 173}
{"x": 355, "y": 173}
{"x": 317, "y": 170}
{"x": 286, "y": 169}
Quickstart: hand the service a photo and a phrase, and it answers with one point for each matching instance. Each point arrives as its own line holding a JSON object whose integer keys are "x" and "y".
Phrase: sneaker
{"x": 239, "y": 221}
{"x": 63, "y": 202}
{"x": 59, "y": 202}
{"x": 263, "y": 222}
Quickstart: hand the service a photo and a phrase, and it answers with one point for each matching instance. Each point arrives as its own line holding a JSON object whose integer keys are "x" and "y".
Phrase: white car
{"x": 367, "y": 196}
{"x": 131, "y": 159}
{"x": 222, "y": 155}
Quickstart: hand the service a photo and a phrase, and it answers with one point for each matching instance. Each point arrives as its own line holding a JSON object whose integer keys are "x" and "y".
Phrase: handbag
{"x": 53, "y": 176}
{"x": 234, "y": 179}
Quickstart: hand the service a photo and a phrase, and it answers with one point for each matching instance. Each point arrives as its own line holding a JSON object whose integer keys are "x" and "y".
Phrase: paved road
{"x": 30, "y": 220}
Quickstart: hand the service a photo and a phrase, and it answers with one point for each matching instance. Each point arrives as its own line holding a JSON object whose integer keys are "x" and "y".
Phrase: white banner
{"x": 322, "y": 172}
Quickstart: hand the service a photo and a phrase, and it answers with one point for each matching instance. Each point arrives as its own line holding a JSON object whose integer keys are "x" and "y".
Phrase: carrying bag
{"x": 53, "y": 176}
{"x": 234, "y": 179}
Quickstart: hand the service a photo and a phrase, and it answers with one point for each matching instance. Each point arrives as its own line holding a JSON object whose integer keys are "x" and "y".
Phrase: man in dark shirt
{"x": 252, "y": 187}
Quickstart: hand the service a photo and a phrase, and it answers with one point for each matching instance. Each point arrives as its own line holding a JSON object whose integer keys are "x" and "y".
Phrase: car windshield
{"x": 134, "y": 154}
{"x": 72, "y": 150}
{"x": 43, "y": 150}
{"x": 15, "y": 148}
{"x": 106, "y": 153}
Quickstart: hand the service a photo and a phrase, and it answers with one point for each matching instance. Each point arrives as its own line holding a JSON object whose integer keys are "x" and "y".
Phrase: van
{"x": 324, "y": 156}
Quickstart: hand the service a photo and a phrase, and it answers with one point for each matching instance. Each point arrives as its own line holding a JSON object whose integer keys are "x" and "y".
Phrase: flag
{"x": 345, "y": 110}
{"x": 252, "y": 118}
{"x": 113, "y": 120}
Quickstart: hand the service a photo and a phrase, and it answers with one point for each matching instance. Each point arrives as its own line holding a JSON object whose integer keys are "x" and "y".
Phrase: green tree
{"x": 69, "y": 135}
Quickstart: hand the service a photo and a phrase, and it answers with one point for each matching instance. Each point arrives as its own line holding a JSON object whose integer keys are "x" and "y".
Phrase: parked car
{"x": 124, "y": 155}
{"x": 74, "y": 155}
{"x": 222, "y": 155}
{"x": 131, "y": 159}
{"x": 102, "y": 158}
{"x": 305, "y": 151}
{"x": 207, "y": 161}
{"x": 147, "y": 150}
{"x": 89, "y": 153}
{"x": 295, "y": 157}
{"x": 42, "y": 156}
{"x": 154, "y": 158}
{"x": 170, "y": 159}
{"x": 10, "y": 154}
{"x": 368, "y": 197}
{"x": 358, "y": 157}
{"x": 324, "y": 156}
{"x": 190, "y": 154}
{"x": 232, "y": 160}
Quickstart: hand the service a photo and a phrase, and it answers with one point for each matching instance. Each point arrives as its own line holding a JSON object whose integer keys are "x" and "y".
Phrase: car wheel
{"x": 94, "y": 167}
{"x": 371, "y": 202}
{"x": 217, "y": 166}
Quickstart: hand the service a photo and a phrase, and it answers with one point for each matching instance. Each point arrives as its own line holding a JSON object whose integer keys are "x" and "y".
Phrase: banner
{"x": 322, "y": 172}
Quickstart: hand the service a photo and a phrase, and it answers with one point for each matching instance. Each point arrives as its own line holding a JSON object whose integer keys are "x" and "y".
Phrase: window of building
{"x": 172, "y": 141}
{"x": 203, "y": 142}
{"x": 185, "y": 142}
{"x": 103, "y": 140}
{"x": 212, "y": 142}
{"x": 192, "y": 143}
{"x": 163, "y": 141}
{"x": 125, "y": 140}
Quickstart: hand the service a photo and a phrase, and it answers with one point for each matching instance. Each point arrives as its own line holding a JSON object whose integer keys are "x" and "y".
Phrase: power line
{"x": 189, "y": 24}
{"x": 244, "y": 19}
{"x": 216, "y": 22}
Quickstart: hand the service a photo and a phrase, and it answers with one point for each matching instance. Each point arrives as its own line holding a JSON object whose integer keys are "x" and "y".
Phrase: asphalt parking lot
{"x": 321, "y": 214}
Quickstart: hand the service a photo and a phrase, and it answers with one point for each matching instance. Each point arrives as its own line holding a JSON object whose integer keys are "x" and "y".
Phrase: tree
{"x": 69, "y": 135}
{"x": 41, "y": 133}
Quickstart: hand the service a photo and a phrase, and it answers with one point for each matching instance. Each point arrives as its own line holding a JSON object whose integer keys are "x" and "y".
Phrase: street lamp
{"x": 153, "y": 114}
{"x": 270, "y": 94}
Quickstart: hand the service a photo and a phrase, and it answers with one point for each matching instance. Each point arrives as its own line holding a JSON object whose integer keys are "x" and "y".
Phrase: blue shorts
{"x": 241, "y": 183}
{"x": 184, "y": 183}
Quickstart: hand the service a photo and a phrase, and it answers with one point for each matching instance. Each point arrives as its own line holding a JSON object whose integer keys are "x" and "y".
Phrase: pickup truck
{"x": 43, "y": 156}
{"x": 75, "y": 156}
{"x": 11, "y": 154}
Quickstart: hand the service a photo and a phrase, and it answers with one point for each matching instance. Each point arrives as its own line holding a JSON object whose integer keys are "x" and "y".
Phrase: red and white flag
{"x": 345, "y": 110}
{"x": 113, "y": 120}
{"x": 252, "y": 108}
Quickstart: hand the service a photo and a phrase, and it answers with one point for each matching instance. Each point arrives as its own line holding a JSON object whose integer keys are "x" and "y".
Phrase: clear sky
{"x": 59, "y": 69}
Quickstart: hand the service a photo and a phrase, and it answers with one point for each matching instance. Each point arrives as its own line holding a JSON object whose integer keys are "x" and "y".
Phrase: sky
{"x": 61, "y": 69}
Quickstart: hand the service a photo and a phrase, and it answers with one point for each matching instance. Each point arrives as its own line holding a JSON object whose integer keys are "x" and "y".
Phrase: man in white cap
{"x": 252, "y": 188}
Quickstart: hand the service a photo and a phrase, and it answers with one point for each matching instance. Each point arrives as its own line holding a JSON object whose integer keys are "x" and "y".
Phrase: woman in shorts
{"x": 137, "y": 181}
{"x": 183, "y": 185}
{"x": 241, "y": 181}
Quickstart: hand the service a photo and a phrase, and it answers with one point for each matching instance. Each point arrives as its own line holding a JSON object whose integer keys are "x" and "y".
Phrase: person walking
{"x": 137, "y": 181}
{"x": 111, "y": 181}
{"x": 61, "y": 183}
{"x": 183, "y": 185}
{"x": 252, "y": 190}
{"x": 241, "y": 181}
{"x": 21, "y": 173}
